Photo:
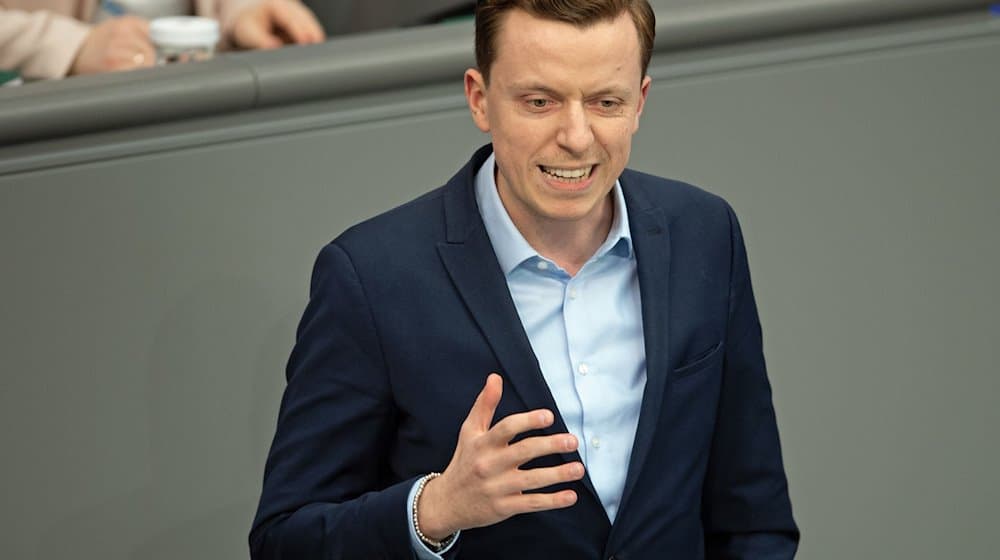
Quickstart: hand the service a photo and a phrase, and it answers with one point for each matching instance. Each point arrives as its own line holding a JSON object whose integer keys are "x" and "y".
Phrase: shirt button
{"x": 542, "y": 265}
{"x": 595, "y": 442}
{"x": 584, "y": 369}
{"x": 572, "y": 293}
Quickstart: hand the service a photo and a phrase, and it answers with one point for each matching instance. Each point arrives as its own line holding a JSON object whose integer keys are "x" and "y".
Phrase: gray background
{"x": 152, "y": 277}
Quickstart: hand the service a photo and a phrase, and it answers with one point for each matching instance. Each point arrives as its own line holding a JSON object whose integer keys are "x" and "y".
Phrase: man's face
{"x": 562, "y": 105}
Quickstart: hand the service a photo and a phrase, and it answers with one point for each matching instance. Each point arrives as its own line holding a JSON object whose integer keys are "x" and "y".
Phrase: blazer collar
{"x": 461, "y": 215}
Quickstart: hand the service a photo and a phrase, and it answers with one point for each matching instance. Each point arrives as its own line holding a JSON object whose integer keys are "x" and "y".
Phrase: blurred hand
{"x": 117, "y": 44}
{"x": 483, "y": 483}
{"x": 273, "y": 23}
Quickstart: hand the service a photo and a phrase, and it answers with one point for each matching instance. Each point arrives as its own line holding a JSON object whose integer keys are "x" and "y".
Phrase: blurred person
{"x": 44, "y": 39}
{"x": 550, "y": 357}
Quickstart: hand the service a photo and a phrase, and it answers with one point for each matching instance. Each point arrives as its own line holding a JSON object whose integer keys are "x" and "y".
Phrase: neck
{"x": 568, "y": 243}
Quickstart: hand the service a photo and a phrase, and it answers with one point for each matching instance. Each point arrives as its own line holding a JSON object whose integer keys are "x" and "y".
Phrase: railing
{"x": 383, "y": 61}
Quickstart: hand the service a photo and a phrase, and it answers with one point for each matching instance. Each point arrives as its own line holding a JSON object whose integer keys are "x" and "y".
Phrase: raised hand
{"x": 483, "y": 483}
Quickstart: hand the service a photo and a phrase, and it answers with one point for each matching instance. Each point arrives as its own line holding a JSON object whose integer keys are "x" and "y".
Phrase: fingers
{"x": 481, "y": 415}
{"x": 508, "y": 428}
{"x": 138, "y": 57}
{"x": 137, "y": 48}
{"x": 499, "y": 436}
{"x": 527, "y": 503}
{"x": 117, "y": 44}
{"x": 530, "y": 448}
{"x": 252, "y": 32}
{"x": 484, "y": 482}
{"x": 296, "y": 21}
{"x": 139, "y": 26}
{"x": 524, "y": 480}
{"x": 271, "y": 24}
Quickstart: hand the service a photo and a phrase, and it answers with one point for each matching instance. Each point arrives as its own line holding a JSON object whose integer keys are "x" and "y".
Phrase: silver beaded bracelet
{"x": 434, "y": 545}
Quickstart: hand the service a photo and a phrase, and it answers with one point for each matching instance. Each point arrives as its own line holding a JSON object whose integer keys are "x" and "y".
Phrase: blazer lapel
{"x": 648, "y": 226}
{"x": 478, "y": 279}
{"x": 468, "y": 256}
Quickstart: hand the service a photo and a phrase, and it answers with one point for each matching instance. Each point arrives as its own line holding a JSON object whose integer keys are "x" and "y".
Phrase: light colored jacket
{"x": 40, "y": 38}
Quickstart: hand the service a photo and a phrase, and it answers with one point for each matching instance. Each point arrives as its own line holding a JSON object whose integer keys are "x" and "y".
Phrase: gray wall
{"x": 152, "y": 277}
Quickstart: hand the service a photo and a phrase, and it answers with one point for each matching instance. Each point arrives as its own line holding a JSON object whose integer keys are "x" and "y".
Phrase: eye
{"x": 609, "y": 104}
{"x": 538, "y": 103}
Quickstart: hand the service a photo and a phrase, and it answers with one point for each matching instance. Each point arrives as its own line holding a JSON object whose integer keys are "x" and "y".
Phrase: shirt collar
{"x": 510, "y": 246}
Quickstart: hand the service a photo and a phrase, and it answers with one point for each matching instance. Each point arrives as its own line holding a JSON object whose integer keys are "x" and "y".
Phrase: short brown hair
{"x": 581, "y": 13}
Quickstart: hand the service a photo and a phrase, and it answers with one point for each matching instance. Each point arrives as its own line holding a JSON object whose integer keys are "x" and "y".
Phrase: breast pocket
{"x": 702, "y": 362}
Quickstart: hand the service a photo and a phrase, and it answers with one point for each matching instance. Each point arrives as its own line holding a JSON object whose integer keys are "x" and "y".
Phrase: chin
{"x": 567, "y": 212}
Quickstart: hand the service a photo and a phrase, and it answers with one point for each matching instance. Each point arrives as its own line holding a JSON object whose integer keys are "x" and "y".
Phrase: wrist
{"x": 430, "y": 519}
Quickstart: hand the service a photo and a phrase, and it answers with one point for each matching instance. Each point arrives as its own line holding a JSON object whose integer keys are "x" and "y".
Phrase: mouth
{"x": 568, "y": 174}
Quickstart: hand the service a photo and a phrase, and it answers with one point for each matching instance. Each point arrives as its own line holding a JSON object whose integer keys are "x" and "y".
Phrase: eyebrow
{"x": 534, "y": 87}
{"x": 540, "y": 88}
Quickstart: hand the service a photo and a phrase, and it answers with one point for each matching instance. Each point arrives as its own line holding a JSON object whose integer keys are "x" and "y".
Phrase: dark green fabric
{"x": 8, "y": 75}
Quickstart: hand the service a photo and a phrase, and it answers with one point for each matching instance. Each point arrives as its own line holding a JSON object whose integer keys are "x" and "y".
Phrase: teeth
{"x": 568, "y": 173}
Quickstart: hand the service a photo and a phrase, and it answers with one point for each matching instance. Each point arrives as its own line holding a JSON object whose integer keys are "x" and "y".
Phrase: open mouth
{"x": 568, "y": 174}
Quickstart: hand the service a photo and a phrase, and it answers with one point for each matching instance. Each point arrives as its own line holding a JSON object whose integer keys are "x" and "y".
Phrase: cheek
{"x": 616, "y": 139}
{"x": 518, "y": 150}
{"x": 627, "y": 128}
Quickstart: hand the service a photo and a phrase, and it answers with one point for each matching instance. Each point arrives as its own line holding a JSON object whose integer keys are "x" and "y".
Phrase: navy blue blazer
{"x": 408, "y": 314}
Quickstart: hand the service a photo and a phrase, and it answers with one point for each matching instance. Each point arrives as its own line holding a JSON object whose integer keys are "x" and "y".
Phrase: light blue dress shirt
{"x": 585, "y": 330}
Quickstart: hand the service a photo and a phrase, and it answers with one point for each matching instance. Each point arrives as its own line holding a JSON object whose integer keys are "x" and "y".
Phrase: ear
{"x": 643, "y": 92}
{"x": 475, "y": 94}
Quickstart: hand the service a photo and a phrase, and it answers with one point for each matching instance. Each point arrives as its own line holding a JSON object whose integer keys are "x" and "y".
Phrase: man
{"x": 629, "y": 415}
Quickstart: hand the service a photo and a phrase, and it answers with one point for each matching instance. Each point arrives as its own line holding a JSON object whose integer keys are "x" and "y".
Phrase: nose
{"x": 575, "y": 133}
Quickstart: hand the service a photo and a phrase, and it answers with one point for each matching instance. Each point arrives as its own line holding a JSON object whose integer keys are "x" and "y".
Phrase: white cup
{"x": 183, "y": 38}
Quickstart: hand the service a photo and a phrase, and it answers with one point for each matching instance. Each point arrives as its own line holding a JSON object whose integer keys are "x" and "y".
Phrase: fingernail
{"x": 570, "y": 442}
{"x": 545, "y": 417}
{"x": 571, "y": 498}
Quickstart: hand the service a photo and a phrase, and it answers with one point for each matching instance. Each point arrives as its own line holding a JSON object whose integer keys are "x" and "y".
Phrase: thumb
{"x": 481, "y": 415}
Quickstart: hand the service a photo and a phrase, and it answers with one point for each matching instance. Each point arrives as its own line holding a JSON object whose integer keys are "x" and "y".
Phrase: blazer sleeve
{"x": 746, "y": 511}
{"x": 326, "y": 492}
{"x": 39, "y": 44}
